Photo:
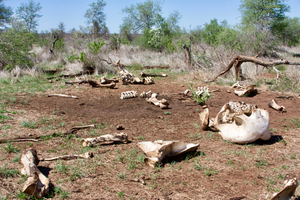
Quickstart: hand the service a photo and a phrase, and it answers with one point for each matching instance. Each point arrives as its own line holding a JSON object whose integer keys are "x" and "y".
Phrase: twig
{"x": 17, "y": 140}
{"x": 75, "y": 128}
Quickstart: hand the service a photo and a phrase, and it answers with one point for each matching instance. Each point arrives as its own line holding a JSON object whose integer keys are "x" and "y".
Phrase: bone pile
{"x": 128, "y": 94}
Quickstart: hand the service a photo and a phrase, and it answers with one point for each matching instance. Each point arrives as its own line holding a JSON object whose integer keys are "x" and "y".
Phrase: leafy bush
{"x": 94, "y": 47}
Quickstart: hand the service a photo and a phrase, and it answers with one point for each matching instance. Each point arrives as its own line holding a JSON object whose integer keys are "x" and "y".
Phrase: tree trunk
{"x": 187, "y": 56}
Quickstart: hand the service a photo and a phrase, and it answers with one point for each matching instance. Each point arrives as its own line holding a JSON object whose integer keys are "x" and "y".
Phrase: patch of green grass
{"x": 167, "y": 113}
{"x": 261, "y": 162}
{"x": 76, "y": 172}
{"x": 6, "y": 173}
{"x": 122, "y": 176}
{"x": 29, "y": 124}
{"x": 10, "y": 148}
{"x": 60, "y": 167}
{"x": 17, "y": 158}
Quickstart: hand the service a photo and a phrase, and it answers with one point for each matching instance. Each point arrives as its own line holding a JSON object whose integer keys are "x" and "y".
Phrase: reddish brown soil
{"x": 218, "y": 170}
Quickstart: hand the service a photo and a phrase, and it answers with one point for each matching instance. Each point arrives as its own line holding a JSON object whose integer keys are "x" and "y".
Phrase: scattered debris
{"x": 152, "y": 75}
{"x": 158, "y": 150}
{"x": 141, "y": 180}
{"x": 146, "y": 94}
{"x": 76, "y": 128}
{"x": 289, "y": 189}
{"x": 128, "y": 94}
{"x": 62, "y": 95}
{"x": 117, "y": 137}
{"x": 273, "y": 104}
{"x": 161, "y": 103}
{"x": 104, "y": 80}
{"x": 120, "y": 127}
{"x": 148, "y": 81}
{"x": 228, "y": 91}
{"x": 240, "y": 123}
{"x": 186, "y": 92}
{"x": 216, "y": 90}
{"x": 70, "y": 157}
{"x": 36, "y": 183}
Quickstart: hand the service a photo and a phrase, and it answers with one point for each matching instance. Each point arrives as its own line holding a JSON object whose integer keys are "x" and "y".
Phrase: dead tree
{"x": 240, "y": 59}
{"x": 187, "y": 55}
{"x": 53, "y": 44}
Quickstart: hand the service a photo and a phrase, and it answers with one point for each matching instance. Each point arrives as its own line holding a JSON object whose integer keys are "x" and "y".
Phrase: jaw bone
{"x": 161, "y": 103}
{"x": 242, "y": 124}
{"x": 275, "y": 106}
{"x": 158, "y": 150}
{"x": 288, "y": 191}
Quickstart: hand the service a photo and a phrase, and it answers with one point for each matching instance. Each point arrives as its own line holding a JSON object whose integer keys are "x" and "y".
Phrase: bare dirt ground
{"x": 218, "y": 170}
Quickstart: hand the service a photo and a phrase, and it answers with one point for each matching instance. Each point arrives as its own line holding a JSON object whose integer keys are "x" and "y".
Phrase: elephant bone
{"x": 128, "y": 94}
{"x": 288, "y": 191}
{"x": 242, "y": 123}
{"x": 273, "y": 104}
{"x": 146, "y": 94}
{"x": 161, "y": 103}
{"x": 148, "y": 81}
{"x": 250, "y": 90}
{"x": 158, "y": 150}
{"x": 108, "y": 138}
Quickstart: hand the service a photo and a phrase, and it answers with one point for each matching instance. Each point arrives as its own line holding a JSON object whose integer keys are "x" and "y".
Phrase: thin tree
{"x": 96, "y": 17}
{"x": 5, "y": 14}
{"x": 28, "y": 13}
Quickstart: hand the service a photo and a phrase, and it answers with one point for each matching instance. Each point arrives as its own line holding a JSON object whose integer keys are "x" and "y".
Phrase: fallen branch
{"x": 155, "y": 67}
{"x": 62, "y": 95}
{"x": 117, "y": 137}
{"x": 36, "y": 183}
{"x": 76, "y": 128}
{"x": 238, "y": 60}
{"x": 70, "y": 157}
{"x": 18, "y": 140}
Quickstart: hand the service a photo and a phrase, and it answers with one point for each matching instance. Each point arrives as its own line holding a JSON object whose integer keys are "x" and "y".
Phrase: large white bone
{"x": 128, "y": 94}
{"x": 158, "y": 150}
{"x": 275, "y": 106}
{"x": 249, "y": 90}
{"x": 161, "y": 103}
{"x": 288, "y": 191}
{"x": 201, "y": 90}
{"x": 243, "y": 124}
{"x": 148, "y": 81}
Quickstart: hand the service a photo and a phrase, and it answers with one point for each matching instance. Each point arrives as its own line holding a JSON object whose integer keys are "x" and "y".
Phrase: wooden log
{"x": 36, "y": 183}
{"x": 117, "y": 137}
{"x": 155, "y": 67}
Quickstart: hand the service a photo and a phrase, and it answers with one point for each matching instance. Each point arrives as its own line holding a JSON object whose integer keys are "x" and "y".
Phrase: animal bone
{"x": 62, "y": 95}
{"x": 242, "y": 123}
{"x": 146, "y": 94}
{"x": 204, "y": 118}
{"x": 69, "y": 157}
{"x": 288, "y": 191}
{"x": 238, "y": 85}
{"x": 117, "y": 137}
{"x": 158, "y": 150}
{"x": 104, "y": 80}
{"x": 186, "y": 92}
{"x": 275, "y": 106}
{"x": 161, "y": 103}
{"x": 128, "y": 94}
{"x": 36, "y": 184}
{"x": 148, "y": 81}
{"x": 202, "y": 90}
{"x": 152, "y": 75}
{"x": 97, "y": 84}
{"x": 250, "y": 90}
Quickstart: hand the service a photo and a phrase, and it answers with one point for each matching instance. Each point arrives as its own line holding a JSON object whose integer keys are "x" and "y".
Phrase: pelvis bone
{"x": 158, "y": 150}
{"x": 161, "y": 103}
{"x": 240, "y": 123}
{"x": 128, "y": 94}
{"x": 288, "y": 191}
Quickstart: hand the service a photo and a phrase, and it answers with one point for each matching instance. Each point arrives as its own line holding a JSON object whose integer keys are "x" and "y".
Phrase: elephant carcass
{"x": 242, "y": 123}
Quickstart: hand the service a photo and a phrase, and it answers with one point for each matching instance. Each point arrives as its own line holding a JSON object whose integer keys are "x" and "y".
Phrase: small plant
{"x": 200, "y": 98}
{"x": 122, "y": 176}
{"x": 29, "y": 124}
{"x": 10, "y": 148}
{"x": 121, "y": 194}
{"x": 5, "y": 173}
{"x": 167, "y": 113}
{"x": 60, "y": 167}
